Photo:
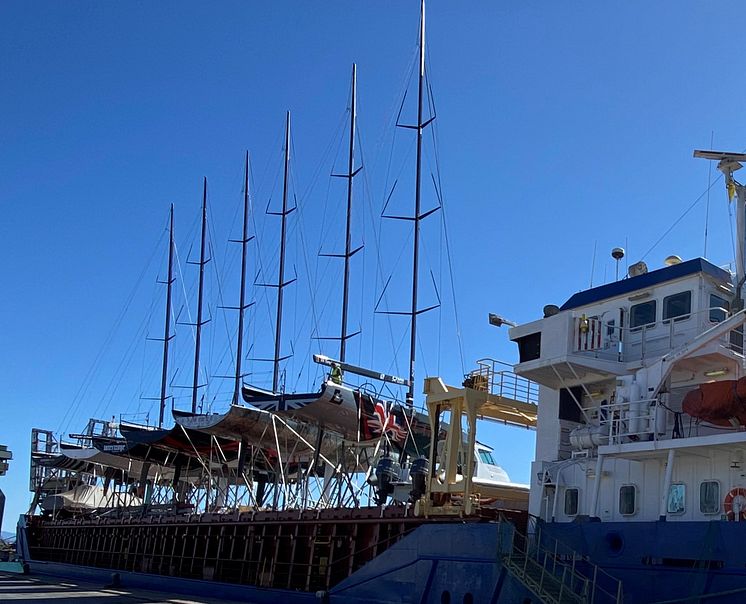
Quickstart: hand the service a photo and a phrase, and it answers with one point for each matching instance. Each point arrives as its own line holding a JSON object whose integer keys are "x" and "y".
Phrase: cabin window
{"x": 676, "y": 499}
{"x": 529, "y": 347}
{"x": 642, "y": 314}
{"x": 486, "y": 457}
{"x": 571, "y": 502}
{"x": 569, "y": 400}
{"x": 719, "y": 308}
{"x": 678, "y": 306}
{"x": 709, "y": 497}
{"x": 627, "y": 496}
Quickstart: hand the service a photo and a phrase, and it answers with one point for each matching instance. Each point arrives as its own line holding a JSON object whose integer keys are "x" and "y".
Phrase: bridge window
{"x": 709, "y": 497}
{"x": 571, "y": 502}
{"x": 719, "y": 308}
{"x": 529, "y": 347}
{"x": 642, "y": 314}
{"x": 627, "y": 497}
{"x": 486, "y": 457}
{"x": 678, "y": 306}
{"x": 676, "y": 499}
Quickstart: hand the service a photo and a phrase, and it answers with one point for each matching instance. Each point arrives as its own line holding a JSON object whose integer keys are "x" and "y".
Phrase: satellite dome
{"x": 637, "y": 269}
{"x": 550, "y": 310}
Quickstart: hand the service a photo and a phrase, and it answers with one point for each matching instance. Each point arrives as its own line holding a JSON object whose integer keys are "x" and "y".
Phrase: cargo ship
{"x": 635, "y": 388}
{"x": 344, "y": 493}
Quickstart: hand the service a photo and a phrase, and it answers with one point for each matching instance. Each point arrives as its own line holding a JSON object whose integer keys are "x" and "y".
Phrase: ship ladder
{"x": 556, "y": 574}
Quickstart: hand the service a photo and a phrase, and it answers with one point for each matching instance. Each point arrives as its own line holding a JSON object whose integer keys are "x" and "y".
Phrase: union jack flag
{"x": 389, "y": 420}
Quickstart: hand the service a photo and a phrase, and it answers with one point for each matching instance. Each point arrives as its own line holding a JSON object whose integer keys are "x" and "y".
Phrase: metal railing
{"x": 607, "y": 340}
{"x": 556, "y": 573}
{"x": 497, "y": 378}
{"x": 635, "y": 420}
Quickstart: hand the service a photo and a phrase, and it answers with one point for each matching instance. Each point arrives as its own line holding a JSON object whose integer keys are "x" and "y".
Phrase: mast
{"x": 417, "y": 217}
{"x": 348, "y": 238}
{"x": 728, "y": 163}
{"x": 281, "y": 276}
{"x": 242, "y": 297}
{"x": 167, "y": 330}
{"x": 202, "y": 262}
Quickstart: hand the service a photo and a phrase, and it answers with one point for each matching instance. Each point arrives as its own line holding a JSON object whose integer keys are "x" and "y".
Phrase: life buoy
{"x": 735, "y": 496}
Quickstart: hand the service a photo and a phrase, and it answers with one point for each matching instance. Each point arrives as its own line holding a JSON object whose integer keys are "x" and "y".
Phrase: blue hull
{"x": 661, "y": 561}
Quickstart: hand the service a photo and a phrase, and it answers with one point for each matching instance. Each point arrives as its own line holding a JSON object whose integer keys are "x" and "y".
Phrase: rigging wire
{"x": 387, "y": 130}
{"x": 228, "y": 331}
{"x": 441, "y": 196}
{"x": 261, "y": 275}
{"x": 88, "y": 378}
{"x": 681, "y": 217}
{"x": 123, "y": 365}
{"x": 709, "y": 185}
{"x": 184, "y": 291}
{"x": 303, "y": 246}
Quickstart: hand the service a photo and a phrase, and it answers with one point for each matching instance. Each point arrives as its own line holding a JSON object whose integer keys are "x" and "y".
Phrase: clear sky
{"x": 562, "y": 128}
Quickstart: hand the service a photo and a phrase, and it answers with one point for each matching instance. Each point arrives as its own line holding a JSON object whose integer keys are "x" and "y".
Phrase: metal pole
{"x": 596, "y": 486}
{"x": 242, "y": 296}
{"x": 281, "y": 276}
{"x": 195, "y": 383}
{"x": 740, "y": 243}
{"x": 415, "y": 255}
{"x": 167, "y": 329}
{"x": 667, "y": 484}
{"x": 348, "y": 242}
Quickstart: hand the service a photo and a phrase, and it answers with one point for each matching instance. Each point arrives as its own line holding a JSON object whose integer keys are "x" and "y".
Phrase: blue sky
{"x": 561, "y": 128}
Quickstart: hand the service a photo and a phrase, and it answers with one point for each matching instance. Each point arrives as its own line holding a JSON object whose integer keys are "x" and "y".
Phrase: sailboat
{"x": 336, "y": 409}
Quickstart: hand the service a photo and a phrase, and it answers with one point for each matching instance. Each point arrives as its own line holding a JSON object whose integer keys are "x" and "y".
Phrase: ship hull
{"x": 664, "y": 561}
{"x": 418, "y": 561}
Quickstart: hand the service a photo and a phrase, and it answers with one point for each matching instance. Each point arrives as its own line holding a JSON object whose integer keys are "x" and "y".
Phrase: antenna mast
{"x": 728, "y": 163}
{"x": 281, "y": 277}
{"x": 167, "y": 330}
{"x": 417, "y": 217}
{"x": 202, "y": 262}
{"x": 242, "y": 306}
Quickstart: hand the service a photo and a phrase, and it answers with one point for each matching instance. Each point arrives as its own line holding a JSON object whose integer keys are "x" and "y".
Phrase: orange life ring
{"x": 737, "y": 495}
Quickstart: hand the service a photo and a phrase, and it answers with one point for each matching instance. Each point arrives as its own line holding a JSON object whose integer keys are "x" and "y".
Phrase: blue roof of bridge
{"x": 631, "y": 284}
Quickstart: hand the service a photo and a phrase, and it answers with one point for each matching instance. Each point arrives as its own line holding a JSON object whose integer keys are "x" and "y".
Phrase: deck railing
{"x": 608, "y": 341}
{"x": 497, "y": 378}
{"x": 637, "y": 420}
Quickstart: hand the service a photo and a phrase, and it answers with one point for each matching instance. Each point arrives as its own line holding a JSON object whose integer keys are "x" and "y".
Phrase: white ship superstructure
{"x": 640, "y": 415}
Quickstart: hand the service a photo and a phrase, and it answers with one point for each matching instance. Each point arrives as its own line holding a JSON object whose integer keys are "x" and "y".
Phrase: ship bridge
{"x": 617, "y": 328}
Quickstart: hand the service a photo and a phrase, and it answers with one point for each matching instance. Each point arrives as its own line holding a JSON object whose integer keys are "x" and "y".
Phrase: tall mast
{"x": 348, "y": 239}
{"x": 417, "y": 217}
{"x": 281, "y": 277}
{"x": 241, "y": 303}
{"x": 728, "y": 163}
{"x": 167, "y": 330}
{"x": 202, "y": 262}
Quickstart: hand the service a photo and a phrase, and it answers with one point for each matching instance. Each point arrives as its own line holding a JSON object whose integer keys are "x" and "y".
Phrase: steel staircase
{"x": 555, "y": 573}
